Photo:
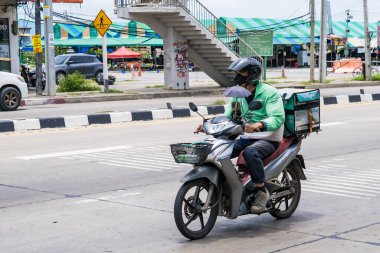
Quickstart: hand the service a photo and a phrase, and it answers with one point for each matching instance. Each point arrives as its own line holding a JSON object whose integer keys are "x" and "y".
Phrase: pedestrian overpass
{"x": 190, "y": 32}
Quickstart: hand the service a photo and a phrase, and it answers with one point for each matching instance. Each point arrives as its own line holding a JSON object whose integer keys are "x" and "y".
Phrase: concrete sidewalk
{"x": 135, "y": 93}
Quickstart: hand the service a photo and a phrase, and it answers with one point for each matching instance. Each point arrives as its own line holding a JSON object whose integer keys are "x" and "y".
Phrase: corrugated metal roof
{"x": 286, "y": 29}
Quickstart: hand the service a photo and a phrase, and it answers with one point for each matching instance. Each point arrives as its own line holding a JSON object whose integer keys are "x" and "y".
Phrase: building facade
{"x": 9, "y": 49}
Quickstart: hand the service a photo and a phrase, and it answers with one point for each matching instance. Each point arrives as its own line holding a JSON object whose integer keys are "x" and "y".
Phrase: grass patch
{"x": 358, "y": 78}
{"x": 115, "y": 91}
{"x": 219, "y": 102}
{"x": 76, "y": 82}
{"x": 131, "y": 92}
{"x": 315, "y": 82}
{"x": 278, "y": 81}
{"x": 361, "y": 78}
{"x": 154, "y": 86}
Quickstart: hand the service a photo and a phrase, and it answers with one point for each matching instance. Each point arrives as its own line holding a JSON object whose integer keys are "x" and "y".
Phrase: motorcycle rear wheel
{"x": 189, "y": 218}
{"x": 287, "y": 205}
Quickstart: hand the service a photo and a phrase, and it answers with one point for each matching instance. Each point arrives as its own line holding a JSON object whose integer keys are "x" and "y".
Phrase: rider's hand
{"x": 199, "y": 128}
{"x": 255, "y": 127}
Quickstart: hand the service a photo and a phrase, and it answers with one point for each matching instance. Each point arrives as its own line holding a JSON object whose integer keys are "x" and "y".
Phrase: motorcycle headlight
{"x": 21, "y": 79}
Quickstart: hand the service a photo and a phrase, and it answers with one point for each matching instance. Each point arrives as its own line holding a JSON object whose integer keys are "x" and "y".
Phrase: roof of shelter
{"x": 295, "y": 28}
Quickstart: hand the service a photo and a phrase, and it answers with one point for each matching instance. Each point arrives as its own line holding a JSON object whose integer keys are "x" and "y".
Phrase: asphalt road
{"x": 111, "y": 188}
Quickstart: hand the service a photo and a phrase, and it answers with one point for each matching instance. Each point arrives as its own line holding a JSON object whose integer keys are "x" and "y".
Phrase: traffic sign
{"x": 259, "y": 40}
{"x": 102, "y": 22}
{"x": 37, "y": 44}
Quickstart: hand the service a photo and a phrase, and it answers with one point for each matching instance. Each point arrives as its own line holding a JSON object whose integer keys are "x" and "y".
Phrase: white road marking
{"x": 323, "y": 166}
{"x": 129, "y": 166}
{"x": 353, "y": 193}
{"x": 130, "y": 160}
{"x": 331, "y": 186}
{"x": 330, "y": 193}
{"x": 339, "y": 179}
{"x": 339, "y": 166}
{"x": 332, "y": 124}
{"x": 68, "y": 153}
{"x": 356, "y": 179}
{"x": 346, "y": 183}
{"x": 91, "y": 200}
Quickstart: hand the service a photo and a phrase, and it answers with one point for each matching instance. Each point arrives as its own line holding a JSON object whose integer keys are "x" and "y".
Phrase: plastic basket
{"x": 193, "y": 153}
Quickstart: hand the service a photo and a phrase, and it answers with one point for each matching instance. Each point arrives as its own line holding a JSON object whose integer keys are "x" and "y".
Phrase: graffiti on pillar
{"x": 181, "y": 59}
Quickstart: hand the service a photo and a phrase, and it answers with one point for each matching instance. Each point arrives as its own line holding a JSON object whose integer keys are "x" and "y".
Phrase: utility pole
{"x": 37, "y": 15}
{"x": 367, "y": 44}
{"x": 49, "y": 49}
{"x": 348, "y": 20}
{"x": 312, "y": 45}
{"x": 323, "y": 43}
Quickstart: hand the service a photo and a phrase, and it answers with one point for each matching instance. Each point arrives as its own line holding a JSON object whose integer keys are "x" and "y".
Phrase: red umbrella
{"x": 123, "y": 53}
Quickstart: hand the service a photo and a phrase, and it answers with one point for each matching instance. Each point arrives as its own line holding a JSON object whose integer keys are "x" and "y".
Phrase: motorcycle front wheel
{"x": 285, "y": 206}
{"x": 191, "y": 221}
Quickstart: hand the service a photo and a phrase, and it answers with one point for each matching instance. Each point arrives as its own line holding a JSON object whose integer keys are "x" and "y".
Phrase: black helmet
{"x": 251, "y": 65}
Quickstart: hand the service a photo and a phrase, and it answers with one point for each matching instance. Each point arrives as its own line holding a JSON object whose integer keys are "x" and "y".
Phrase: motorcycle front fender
{"x": 203, "y": 171}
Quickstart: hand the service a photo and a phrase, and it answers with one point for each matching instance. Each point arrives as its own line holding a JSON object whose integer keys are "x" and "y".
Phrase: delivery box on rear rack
{"x": 302, "y": 111}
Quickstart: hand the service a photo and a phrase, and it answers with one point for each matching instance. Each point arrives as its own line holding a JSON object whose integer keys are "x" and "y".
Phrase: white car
{"x": 12, "y": 90}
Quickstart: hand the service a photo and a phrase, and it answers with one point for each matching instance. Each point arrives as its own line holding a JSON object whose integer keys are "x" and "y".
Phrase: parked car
{"x": 87, "y": 65}
{"x": 13, "y": 88}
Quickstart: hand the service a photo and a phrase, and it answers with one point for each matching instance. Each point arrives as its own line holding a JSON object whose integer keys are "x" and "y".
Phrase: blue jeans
{"x": 254, "y": 153}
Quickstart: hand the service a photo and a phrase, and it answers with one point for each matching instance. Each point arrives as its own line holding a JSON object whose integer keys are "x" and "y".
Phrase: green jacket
{"x": 271, "y": 114}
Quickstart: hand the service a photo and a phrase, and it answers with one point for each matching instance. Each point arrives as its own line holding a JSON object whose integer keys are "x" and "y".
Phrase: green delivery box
{"x": 302, "y": 111}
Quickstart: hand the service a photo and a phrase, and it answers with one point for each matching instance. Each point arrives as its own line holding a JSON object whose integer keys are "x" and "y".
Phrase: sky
{"x": 282, "y": 9}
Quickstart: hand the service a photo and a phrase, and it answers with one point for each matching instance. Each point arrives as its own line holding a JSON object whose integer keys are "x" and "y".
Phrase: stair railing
{"x": 205, "y": 17}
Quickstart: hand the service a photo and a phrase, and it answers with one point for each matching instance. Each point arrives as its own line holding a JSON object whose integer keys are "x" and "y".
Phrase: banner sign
{"x": 37, "y": 44}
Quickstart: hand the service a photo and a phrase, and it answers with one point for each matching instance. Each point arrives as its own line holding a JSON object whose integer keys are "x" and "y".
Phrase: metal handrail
{"x": 205, "y": 17}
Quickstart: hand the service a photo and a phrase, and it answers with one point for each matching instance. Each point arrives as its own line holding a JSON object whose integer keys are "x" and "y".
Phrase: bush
{"x": 361, "y": 78}
{"x": 76, "y": 82}
{"x": 115, "y": 91}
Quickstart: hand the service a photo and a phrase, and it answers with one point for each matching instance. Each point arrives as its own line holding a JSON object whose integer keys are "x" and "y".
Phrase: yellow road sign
{"x": 102, "y": 22}
{"x": 37, "y": 44}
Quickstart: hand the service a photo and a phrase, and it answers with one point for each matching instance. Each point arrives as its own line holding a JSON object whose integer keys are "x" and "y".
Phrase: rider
{"x": 264, "y": 127}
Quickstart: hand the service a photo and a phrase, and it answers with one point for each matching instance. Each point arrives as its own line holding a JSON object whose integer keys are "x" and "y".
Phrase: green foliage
{"x": 115, "y": 91}
{"x": 154, "y": 86}
{"x": 358, "y": 78}
{"x": 376, "y": 77}
{"x": 28, "y": 58}
{"x": 58, "y": 50}
{"x": 219, "y": 102}
{"x": 76, "y": 82}
{"x": 361, "y": 78}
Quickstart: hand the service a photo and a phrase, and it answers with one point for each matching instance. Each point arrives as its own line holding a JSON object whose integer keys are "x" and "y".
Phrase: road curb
{"x": 147, "y": 115}
{"x": 118, "y": 97}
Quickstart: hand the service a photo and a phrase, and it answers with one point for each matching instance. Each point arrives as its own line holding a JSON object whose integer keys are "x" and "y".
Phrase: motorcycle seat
{"x": 284, "y": 144}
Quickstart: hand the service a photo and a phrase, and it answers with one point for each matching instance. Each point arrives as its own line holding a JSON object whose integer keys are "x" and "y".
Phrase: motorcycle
{"x": 30, "y": 76}
{"x": 218, "y": 187}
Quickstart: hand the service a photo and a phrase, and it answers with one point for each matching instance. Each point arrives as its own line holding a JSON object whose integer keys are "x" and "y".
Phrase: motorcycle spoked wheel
{"x": 285, "y": 206}
{"x": 188, "y": 216}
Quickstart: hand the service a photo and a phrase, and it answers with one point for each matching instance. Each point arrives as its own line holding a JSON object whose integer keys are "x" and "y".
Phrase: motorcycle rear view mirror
{"x": 255, "y": 105}
{"x": 194, "y": 108}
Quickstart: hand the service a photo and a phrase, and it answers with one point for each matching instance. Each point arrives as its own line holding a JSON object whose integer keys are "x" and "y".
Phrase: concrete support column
{"x": 176, "y": 61}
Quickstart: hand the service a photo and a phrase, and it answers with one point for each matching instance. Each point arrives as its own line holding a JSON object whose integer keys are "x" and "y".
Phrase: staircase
{"x": 212, "y": 46}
